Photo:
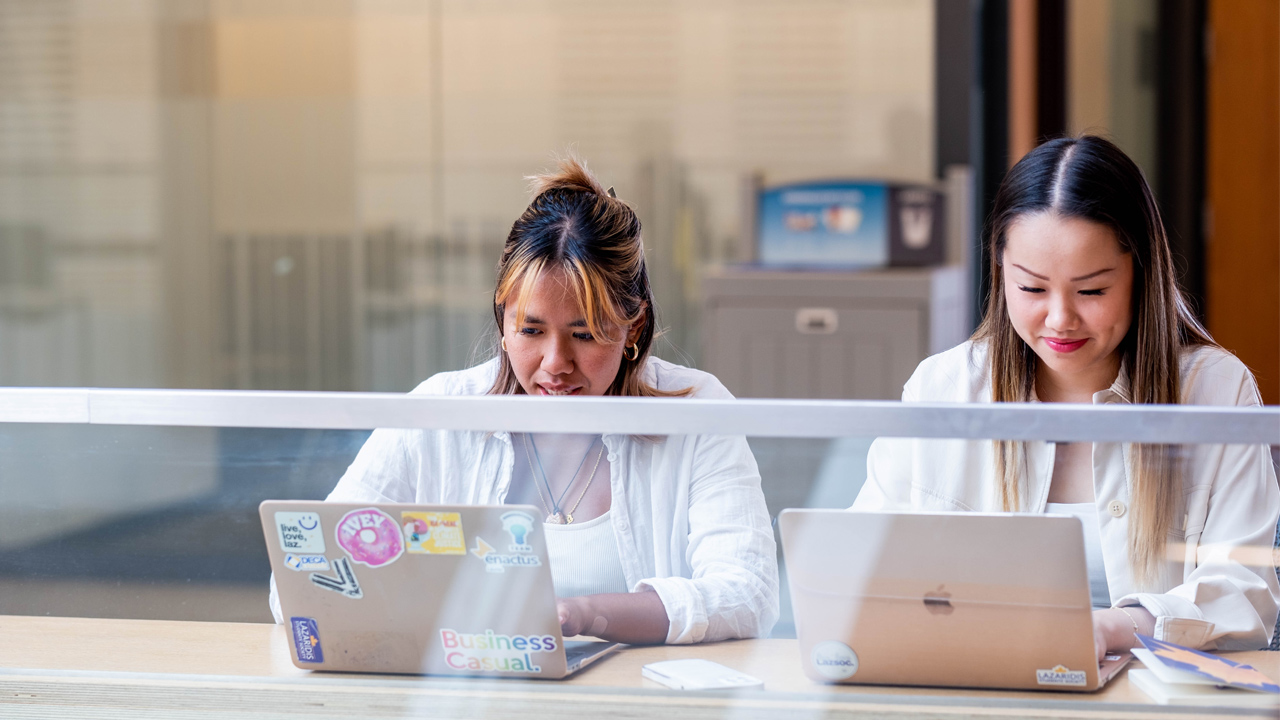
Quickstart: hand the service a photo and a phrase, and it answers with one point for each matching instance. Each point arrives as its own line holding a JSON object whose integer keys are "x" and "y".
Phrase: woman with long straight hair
{"x": 1085, "y": 308}
{"x": 650, "y": 540}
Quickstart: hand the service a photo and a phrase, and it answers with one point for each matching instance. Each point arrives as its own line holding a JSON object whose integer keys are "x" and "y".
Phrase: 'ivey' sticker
{"x": 306, "y": 638}
{"x": 300, "y": 532}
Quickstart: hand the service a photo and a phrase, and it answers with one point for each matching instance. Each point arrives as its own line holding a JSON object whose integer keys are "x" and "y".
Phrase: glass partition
{"x": 103, "y": 518}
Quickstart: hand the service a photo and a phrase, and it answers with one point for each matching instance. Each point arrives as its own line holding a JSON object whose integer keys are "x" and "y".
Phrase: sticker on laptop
{"x": 497, "y": 562}
{"x": 370, "y": 536}
{"x": 306, "y": 563}
{"x": 834, "y": 660}
{"x": 306, "y": 639}
{"x": 519, "y": 526}
{"x": 300, "y": 532}
{"x": 491, "y": 652}
{"x": 433, "y": 533}
{"x": 1061, "y": 676}
{"x": 345, "y": 582}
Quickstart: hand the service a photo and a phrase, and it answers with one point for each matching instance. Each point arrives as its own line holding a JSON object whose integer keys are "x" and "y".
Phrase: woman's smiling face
{"x": 1068, "y": 287}
{"x": 553, "y": 352}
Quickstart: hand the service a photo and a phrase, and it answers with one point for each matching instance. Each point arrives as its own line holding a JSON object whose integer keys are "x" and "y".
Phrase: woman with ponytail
{"x": 1084, "y": 308}
{"x": 650, "y": 539}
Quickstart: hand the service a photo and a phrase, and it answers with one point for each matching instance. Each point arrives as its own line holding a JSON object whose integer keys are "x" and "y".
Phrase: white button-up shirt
{"x": 1219, "y": 589}
{"x": 687, "y": 511}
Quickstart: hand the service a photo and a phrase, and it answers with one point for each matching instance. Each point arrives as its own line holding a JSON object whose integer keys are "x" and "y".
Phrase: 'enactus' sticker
{"x": 306, "y": 639}
{"x": 370, "y": 537}
{"x": 834, "y": 660}
{"x": 1060, "y": 675}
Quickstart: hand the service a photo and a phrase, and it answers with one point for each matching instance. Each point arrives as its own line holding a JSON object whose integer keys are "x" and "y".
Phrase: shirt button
{"x": 1117, "y": 508}
{"x": 613, "y": 457}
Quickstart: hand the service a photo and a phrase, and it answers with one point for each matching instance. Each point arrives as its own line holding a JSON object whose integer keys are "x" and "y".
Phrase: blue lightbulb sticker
{"x": 518, "y": 525}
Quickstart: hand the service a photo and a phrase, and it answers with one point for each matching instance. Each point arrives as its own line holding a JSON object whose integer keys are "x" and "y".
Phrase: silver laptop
{"x": 448, "y": 590}
{"x": 943, "y": 599}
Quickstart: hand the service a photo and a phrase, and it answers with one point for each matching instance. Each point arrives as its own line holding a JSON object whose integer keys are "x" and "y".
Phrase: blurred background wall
{"x": 313, "y": 193}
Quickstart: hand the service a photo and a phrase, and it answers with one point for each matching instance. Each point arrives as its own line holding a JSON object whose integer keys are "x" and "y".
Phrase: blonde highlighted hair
{"x": 577, "y": 228}
{"x": 1091, "y": 179}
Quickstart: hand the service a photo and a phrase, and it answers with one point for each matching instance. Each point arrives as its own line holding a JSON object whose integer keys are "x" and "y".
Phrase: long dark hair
{"x": 576, "y": 226}
{"x": 1089, "y": 178}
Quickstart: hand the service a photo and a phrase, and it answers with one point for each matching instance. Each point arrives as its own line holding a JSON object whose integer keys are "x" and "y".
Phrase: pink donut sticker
{"x": 370, "y": 537}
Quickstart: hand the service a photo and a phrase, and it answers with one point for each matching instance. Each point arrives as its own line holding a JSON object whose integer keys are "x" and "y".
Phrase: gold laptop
{"x": 435, "y": 589}
{"x": 943, "y": 599}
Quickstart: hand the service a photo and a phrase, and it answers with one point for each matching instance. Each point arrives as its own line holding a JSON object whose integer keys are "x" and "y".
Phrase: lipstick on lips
{"x": 1065, "y": 346}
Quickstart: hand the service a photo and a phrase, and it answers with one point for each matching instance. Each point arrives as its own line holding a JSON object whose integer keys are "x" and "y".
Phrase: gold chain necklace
{"x": 568, "y": 517}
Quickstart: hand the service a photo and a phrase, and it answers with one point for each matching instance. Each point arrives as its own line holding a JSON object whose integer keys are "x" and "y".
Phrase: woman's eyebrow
{"x": 1093, "y": 274}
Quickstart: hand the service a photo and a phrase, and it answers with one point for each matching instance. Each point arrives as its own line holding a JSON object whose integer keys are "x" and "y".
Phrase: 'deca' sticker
{"x": 433, "y": 533}
{"x": 370, "y": 536}
{"x": 300, "y": 532}
{"x": 834, "y": 660}
{"x": 306, "y": 563}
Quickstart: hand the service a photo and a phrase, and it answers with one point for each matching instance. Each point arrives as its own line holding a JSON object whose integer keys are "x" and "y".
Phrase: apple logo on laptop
{"x": 938, "y": 602}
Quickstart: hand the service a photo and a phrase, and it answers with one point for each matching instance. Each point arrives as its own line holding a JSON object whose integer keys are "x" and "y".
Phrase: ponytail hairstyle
{"x": 1091, "y": 179}
{"x": 577, "y": 227}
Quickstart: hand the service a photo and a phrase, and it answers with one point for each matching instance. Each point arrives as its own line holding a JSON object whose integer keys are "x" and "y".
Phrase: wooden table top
{"x": 151, "y": 668}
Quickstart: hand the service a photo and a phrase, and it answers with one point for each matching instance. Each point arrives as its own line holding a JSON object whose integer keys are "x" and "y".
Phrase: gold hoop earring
{"x": 504, "y": 344}
{"x": 634, "y": 352}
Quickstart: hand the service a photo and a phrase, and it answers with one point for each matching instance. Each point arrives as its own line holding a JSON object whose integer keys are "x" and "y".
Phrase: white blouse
{"x": 1219, "y": 589}
{"x": 687, "y": 512}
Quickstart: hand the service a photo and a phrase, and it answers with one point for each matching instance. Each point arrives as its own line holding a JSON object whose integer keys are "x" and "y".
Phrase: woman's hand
{"x": 1113, "y": 628}
{"x": 575, "y": 617}
{"x": 637, "y": 618}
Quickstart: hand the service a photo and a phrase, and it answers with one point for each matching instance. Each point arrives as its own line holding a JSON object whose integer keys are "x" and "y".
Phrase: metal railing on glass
{"x": 645, "y": 416}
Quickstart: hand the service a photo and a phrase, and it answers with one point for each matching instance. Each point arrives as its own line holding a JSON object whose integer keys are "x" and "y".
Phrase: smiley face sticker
{"x": 370, "y": 537}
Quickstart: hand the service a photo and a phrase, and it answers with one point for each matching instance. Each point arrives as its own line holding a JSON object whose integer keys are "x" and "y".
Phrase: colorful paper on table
{"x": 1218, "y": 669}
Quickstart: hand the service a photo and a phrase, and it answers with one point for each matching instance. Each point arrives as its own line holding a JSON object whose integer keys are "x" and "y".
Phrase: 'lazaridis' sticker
{"x": 433, "y": 533}
{"x": 306, "y": 562}
{"x": 370, "y": 537}
{"x": 834, "y": 660}
{"x": 300, "y": 532}
{"x": 1060, "y": 675}
{"x": 306, "y": 639}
